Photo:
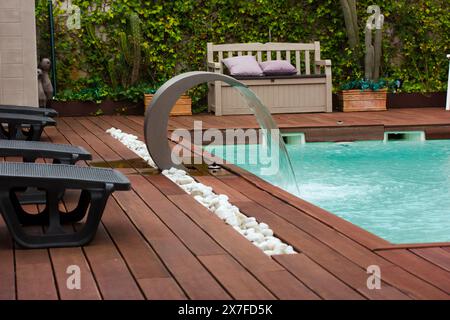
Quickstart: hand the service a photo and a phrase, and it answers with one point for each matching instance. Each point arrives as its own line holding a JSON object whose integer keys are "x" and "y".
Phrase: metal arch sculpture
{"x": 157, "y": 115}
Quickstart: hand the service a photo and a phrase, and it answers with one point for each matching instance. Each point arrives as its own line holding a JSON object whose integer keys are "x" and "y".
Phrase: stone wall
{"x": 18, "y": 81}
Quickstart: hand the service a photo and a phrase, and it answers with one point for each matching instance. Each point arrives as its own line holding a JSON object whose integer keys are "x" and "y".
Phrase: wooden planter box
{"x": 183, "y": 107}
{"x": 367, "y": 100}
{"x": 107, "y": 107}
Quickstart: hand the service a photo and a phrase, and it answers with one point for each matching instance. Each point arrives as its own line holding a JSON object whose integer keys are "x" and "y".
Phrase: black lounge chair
{"x": 13, "y": 126}
{"x": 32, "y": 150}
{"x": 46, "y": 112}
{"x": 96, "y": 185}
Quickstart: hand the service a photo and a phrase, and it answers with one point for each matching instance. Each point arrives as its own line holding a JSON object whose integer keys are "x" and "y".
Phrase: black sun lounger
{"x": 32, "y": 150}
{"x": 12, "y": 126}
{"x": 46, "y": 112}
{"x": 96, "y": 185}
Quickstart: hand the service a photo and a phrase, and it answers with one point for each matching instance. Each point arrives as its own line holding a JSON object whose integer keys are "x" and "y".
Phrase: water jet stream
{"x": 157, "y": 117}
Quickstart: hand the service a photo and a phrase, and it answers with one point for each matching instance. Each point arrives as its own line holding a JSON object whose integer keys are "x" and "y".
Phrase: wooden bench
{"x": 307, "y": 91}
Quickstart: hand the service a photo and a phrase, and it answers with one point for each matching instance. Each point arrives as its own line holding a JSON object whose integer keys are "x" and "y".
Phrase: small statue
{"x": 41, "y": 92}
{"x": 47, "y": 86}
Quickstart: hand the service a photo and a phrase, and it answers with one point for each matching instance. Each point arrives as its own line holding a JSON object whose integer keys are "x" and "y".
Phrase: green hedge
{"x": 175, "y": 33}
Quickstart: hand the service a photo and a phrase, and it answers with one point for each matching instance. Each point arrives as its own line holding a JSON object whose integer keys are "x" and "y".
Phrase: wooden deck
{"x": 156, "y": 242}
{"x": 337, "y": 126}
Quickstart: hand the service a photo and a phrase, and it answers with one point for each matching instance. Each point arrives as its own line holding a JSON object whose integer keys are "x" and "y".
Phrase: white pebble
{"x": 267, "y": 232}
{"x": 289, "y": 250}
{"x": 232, "y": 220}
{"x": 251, "y": 224}
{"x": 250, "y": 219}
{"x": 250, "y": 230}
{"x": 263, "y": 226}
{"x": 184, "y": 180}
{"x": 255, "y": 237}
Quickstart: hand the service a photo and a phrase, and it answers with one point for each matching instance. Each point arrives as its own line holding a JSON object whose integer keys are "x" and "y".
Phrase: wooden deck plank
{"x": 419, "y": 267}
{"x": 285, "y": 286}
{"x": 62, "y": 259}
{"x": 243, "y": 251}
{"x": 143, "y": 262}
{"x": 76, "y": 140}
{"x": 34, "y": 275}
{"x": 7, "y": 264}
{"x": 195, "y": 238}
{"x": 318, "y": 279}
{"x": 113, "y": 121}
{"x": 123, "y": 122}
{"x": 189, "y": 273}
{"x": 239, "y": 282}
{"x": 123, "y": 151}
{"x": 113, "y": 277}
{"x": 341, "y": 267}
{"x": 103, "y": 150}
{"x": 161, "y": 289}
{"x": 438, "y": 256}
{"x": 246, "y": 253}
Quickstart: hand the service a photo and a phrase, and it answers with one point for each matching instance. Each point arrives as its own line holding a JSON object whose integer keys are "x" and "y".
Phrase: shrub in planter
{"x": 363, "y": 95}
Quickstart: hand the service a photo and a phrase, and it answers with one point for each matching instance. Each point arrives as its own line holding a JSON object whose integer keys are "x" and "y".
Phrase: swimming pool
{"x": 398, "y": 190}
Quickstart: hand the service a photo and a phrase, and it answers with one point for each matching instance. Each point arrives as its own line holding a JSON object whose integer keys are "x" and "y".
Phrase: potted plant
{"x": 363, "y": 95}
{"x": 183, "y": 106}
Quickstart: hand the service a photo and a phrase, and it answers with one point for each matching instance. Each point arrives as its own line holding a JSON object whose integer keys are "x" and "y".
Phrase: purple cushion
{"x": 243, "y": 66}
{"x": 277, "y": 67}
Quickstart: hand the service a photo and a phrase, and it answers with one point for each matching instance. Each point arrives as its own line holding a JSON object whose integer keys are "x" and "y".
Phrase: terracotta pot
{"x": 183, "y": 107}
{"x": 367, "y": 100}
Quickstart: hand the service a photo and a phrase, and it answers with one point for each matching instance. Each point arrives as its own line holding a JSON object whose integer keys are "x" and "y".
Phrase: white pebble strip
{"x": 259, "y": 234}
{"x": 132, "y": 143}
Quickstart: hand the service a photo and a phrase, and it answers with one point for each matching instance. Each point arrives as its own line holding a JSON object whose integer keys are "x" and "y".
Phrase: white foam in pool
{"x": 258, "y": 233}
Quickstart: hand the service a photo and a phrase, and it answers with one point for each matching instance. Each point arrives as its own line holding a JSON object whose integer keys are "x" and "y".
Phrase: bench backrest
{"x": 299, "y": 54}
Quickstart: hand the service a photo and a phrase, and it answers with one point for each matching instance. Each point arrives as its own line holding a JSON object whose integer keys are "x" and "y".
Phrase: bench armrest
{"x": 324, "y": 63}
{"x": 214, "y": 66}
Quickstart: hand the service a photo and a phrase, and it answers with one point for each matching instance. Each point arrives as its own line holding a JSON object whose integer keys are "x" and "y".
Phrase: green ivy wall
{"x": 175, "y": 33}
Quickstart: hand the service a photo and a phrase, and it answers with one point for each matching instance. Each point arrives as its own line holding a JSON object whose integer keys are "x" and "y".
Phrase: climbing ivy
{"x": 174, "y": 36}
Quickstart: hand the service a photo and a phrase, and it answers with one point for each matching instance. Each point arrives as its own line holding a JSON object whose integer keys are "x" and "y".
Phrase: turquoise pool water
{"x": 398, "y": 190}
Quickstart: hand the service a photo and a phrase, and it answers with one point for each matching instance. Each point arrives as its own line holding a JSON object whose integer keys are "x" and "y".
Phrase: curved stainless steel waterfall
{"x": 157, "y": 116}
